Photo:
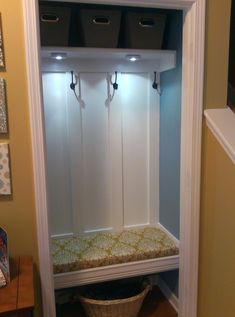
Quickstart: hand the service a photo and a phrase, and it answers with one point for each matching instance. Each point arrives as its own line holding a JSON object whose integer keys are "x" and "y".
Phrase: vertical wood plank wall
{"x": 103, "y": 154}
{"x": 58, "y": 175}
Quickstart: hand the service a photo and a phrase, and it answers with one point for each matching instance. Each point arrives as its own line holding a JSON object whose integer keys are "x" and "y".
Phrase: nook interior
{"x": 112, "y": 128}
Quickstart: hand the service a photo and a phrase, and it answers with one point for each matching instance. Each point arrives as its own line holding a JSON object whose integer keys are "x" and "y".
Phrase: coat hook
{"x": 73, "y": 84}
{"x": 115, "y": 85}
{"x": 156, "y": 85}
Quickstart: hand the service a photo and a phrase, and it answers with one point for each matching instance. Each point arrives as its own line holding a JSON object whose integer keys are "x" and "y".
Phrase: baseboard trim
{"x": 170, "y": 296}
{"x": 62, "y": 235}
{"x": 169, "y": 234}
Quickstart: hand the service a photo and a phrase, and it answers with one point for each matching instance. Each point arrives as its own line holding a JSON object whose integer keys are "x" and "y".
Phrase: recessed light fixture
{"x": 133, "y": 58}
{"x": 58, "y": 56}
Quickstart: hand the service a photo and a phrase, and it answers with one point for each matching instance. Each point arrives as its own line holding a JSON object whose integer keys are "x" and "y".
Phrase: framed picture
{"x": 2, "y": 62}
{"x": 4, "y": 257}
{"x": 5, "y": 173}
{"x": 3, "y": 107}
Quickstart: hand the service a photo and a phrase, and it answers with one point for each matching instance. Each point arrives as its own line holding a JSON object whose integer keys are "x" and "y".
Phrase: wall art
{"x": 4, "y": 258}
{"x": 3, "y": 107}
{"x": 2, "y": 62}
{"x": 5, "y": 175}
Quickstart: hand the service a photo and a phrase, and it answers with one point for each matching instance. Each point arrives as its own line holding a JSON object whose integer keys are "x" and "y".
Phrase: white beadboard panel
{"x": 103, "y": 152}
{"x": 95, "y": 154}
{"x": 136, "y": 148}
{"x": 55, "y": 108}
{"x": 115, "y": 164}
{"x": 154, "y": 148}
{"x": 75, "y": 155}
{"x": 95, "y": 133}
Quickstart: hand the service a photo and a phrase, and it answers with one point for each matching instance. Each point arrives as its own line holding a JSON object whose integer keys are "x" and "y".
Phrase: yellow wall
{"x": 17, "y": 213}
{"x": 217, "y": 232}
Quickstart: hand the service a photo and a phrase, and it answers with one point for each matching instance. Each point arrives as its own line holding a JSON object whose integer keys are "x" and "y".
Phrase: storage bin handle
{"x": 49, "y": 17}
{"x": 101, "y": 20}
{"x": 146, "y": 23}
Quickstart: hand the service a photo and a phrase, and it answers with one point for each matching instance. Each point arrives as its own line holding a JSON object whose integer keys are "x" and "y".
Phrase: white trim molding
{"x": 171, "y": 297}
{"x": 171, "y": 4}
{"x": 177, "y": 242}
{"x": 117, "y": 271}
{"x": 221, "y": 122}
{"x": 193, "y": 63}
{"x": 191, "y": 133}
{"x": 31, "y": 28}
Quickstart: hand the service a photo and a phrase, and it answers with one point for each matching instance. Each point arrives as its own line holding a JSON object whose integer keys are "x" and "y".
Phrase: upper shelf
{"x": 171, "y": 4}
{"x": 112, "y": 59}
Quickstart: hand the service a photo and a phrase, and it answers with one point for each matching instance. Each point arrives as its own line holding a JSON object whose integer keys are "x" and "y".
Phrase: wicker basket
{"x": 127, "y": 307}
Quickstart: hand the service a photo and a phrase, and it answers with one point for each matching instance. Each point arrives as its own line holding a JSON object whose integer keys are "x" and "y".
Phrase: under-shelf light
{"x": 58, "y": 56}
{"x": 133, "y": 58}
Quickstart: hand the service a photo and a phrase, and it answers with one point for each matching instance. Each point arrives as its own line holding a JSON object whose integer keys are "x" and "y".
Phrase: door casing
{"x": 191, "y": 127}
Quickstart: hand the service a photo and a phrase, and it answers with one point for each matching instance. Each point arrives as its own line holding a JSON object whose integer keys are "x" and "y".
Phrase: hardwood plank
{"x": 26, "y": 286}
{"x": 155, "y": 305}
{"x": 8, "y": 294}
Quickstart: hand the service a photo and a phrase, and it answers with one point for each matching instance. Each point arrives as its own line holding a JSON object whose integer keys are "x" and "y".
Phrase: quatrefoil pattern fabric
{"x": 5, "y": 180}
{"x": 101, "y": 249}
{"x": 3, "y": 110}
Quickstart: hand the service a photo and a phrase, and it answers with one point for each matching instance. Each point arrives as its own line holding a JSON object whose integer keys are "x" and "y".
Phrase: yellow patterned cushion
{"x": 100, "y": 249}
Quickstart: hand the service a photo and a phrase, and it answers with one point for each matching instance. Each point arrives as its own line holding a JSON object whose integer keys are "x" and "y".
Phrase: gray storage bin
{"x": 144, "y": 30}
{"x": 100, "y": 28}
{"x": 54, "y": 25}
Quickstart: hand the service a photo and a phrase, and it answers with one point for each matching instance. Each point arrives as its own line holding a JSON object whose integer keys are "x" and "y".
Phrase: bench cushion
{"x": 101, "y": 249}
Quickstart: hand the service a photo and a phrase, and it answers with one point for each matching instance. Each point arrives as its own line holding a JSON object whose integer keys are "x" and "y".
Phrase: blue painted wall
{"x": 170, "y": 133}
{"x": 170, "y": 121}
{"x": 171, "y": 279}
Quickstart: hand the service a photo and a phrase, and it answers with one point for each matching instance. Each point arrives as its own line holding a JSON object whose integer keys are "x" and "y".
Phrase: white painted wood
{"x": 172, "y": 4}
{"x": 221, "y": 122}
{"x": 75, "y": 139}
{"x": 61, "y": 236}
{"x": 193, "y": 56}
{"x": 102, "y": 152}
{"x": 31, "y": 30}
{"x": 115, "y": 148}
{"x": 107, "y": 229}
{"x": 92, "y": 132}
{"x": 110, "y": 66}
{"x": 136, "y": 149}
{"x": 153, "y": 153}
{"x": 191, "y": 129}
{"x": 108, "y": 60}
{"x": 134, "y": 139}
{"x": 58, "y": 171}
{"x": 112, "y": 272}
{"x": 96, "y": 187}
{"x": 95, "y": 140}
{"x": 171, "y": 297}
{"x": 164, "y": 57}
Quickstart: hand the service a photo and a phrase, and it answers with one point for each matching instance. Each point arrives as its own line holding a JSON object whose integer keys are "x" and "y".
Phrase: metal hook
{"x": 73, "y": 84}
{"x": 115, "y": 85}
{"x": 156, "y": 85}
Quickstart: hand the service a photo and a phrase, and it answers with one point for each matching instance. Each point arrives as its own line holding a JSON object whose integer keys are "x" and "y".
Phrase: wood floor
{"x": 155, "y": 305}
